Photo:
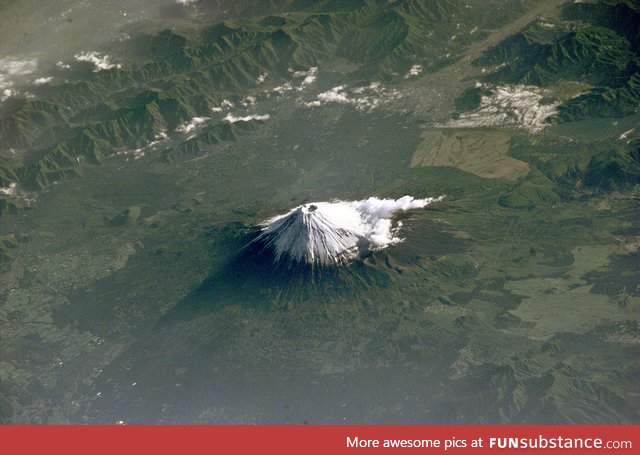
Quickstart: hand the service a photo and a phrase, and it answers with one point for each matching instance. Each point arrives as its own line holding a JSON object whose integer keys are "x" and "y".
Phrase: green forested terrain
{"x": 128, "y": 196}
{"x": 92, "y": 115}
{"x": 597, "y": 44}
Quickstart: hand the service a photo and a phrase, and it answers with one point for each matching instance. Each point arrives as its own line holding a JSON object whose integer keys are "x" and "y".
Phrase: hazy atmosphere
{"x": 296, "y": 211}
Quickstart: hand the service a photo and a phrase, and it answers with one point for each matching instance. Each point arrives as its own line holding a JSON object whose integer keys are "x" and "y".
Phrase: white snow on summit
{"x": 331, "y": 233}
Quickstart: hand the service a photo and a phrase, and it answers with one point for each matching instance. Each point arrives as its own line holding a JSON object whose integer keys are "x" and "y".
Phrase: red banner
{"x": 312, "y": 439}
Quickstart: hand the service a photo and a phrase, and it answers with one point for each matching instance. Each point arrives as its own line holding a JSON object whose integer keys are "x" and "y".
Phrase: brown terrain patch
{"x": 483, "y": 153}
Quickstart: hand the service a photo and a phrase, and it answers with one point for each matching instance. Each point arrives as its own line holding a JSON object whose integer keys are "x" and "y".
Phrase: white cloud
{"x": 249, "y": 100}
{"x": 195, "y": 122}
{"x": 247, "y": 118}
{"x": 99, "y": 61}
{"x": 63, "y": 66}
{"x": 9, "y": 190}
{"x": 7, "y": 93}
{"x": 43, "y": 80}
{"x": 330, "y": 233}
{"x": 11, "y": 69}
{"x": 626, "y": 134}
{"x": 138, "y": 153}
{"x": 18, "y": 67}
{"x": 414, "y": 71}
{"x": 363, "y": 98}
{"x": 309, "y": 76}
{"x": 223, "y": 105}
{"x": 158, "y": 138}
{"x": 282, "y": 89}
{"x": 13, "y": 192}
{"x": 510, "y": 105}
{"x": 335, "y": 95}
{"x": 311, "y": 72}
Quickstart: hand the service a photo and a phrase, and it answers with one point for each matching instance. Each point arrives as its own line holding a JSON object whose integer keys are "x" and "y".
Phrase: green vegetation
{"x": 125, "y": 291}
{"x": 93, "y": 116}
{"x": 594, "y": 43}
